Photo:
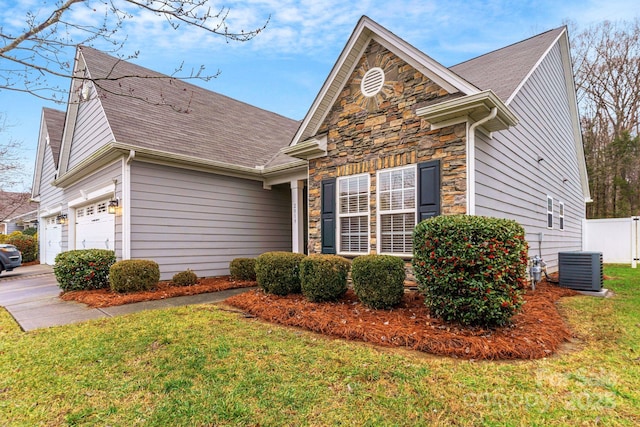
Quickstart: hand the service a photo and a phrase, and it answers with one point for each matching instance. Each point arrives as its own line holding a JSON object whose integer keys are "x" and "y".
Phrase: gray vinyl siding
{"x": 91, "y": 132}
{"x": 187, "y": 219}
{"x": 101, "y": 178}
{"x": 511, "y": 183}
{"x": 50, "y": 197}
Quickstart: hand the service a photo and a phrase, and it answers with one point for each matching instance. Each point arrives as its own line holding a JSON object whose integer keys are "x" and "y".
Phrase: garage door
{"x": 52, "y": 239}
{"x": 94, "y": 227}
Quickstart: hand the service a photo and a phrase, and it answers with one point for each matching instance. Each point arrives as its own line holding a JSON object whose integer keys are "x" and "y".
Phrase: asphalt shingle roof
{"x": 55, "y": 125}
{"x": 151, "y": 110}
{"x": 504, "y": 69}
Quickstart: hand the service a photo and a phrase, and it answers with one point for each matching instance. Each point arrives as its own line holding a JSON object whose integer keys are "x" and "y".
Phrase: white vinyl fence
{"x": 617, "y": 238}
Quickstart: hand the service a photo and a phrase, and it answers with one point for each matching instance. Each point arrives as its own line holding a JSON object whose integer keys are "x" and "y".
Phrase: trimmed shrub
{"x": 243, "y": 269}
{"x": 378, "y": 280}
{"x": 83, "y": 269}
{"x": 279, "y": 272}
{"x": 3, "y": 238}
{"x": 134, "y": 275}
{"x": 28, "y": 245}
{"x": 30, "y": 231}
{"x": 471, "y": 269}
{"x": 324, "y": 277}
{"x": 185, "y": 278}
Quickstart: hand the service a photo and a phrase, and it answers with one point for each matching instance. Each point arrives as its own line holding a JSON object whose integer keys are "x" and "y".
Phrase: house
{"x": 157, "y": 168}
{"x": 196, "y": 179}
{"x": 394, "y": 137}
{"x": 17, "y": 212}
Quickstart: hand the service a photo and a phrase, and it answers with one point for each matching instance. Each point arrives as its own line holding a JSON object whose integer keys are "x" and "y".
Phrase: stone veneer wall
{"x": 368, "y": 134}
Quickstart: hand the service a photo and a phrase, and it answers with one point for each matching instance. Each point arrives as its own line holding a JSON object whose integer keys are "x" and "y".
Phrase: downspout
{"x": 126, "y": 206}
{"x": 471, "y": 165}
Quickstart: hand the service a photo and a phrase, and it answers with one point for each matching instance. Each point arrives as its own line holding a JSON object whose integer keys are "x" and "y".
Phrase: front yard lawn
{"x": 202, "y": 365}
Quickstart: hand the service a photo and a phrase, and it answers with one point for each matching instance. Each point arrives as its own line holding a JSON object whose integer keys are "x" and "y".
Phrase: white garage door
{"x": 95, "y": 227}
{"x": 52, "y": 239}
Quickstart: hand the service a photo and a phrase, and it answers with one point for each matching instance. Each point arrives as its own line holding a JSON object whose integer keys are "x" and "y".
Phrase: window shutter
{"x": 428, "y": 189}
{"x": 328, "y": 216}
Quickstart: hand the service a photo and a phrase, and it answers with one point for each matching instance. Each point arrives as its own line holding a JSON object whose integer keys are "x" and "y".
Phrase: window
{"x": 561, "y": 215}
{"x": 353, "y": 214}
{"x": 549, "y": 212}
{"x": 396, "y": 210}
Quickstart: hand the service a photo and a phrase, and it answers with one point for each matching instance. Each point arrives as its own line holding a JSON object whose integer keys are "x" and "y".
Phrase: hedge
{"x": 243, "y": 269}
{"x": 83, "y": 269}
{"x": 279, "y": 272}
{"x": 324, "y": 277}
{"x": 471, "y": 269}
{"x": 134, "y": 275}
{"x": 378, "y": 280}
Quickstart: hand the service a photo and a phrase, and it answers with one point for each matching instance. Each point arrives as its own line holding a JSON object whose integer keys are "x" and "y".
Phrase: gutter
{"x": 471, "y": 155}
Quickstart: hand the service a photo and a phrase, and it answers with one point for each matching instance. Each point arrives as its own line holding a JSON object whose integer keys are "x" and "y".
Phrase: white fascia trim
{"x": 37, "y": 174}
{"x": 49, "y": 211}
{"x": 92, "y": 195}
{"x": 70, "y": 118}
{"x": 476, "y": 106}
{"x": 310, "y": 149}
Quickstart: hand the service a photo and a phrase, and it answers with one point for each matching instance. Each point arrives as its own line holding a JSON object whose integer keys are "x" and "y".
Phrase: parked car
{"x": 10, "y": 257}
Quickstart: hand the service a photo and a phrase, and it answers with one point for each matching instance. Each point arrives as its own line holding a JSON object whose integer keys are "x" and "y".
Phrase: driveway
{"x": 30, "y": 295}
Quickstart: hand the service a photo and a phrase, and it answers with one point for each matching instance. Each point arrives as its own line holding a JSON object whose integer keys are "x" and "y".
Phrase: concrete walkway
{"x": 30, "y": 295}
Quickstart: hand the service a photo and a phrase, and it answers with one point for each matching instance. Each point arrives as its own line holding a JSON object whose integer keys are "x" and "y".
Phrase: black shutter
{"x": 328, "y": 216}
{"x": 428, "y": 189}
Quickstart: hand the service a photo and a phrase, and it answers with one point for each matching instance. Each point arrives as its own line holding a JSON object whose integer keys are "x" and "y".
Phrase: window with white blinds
{"x": 353, "y": 214}
{"x": 396, "y": 210}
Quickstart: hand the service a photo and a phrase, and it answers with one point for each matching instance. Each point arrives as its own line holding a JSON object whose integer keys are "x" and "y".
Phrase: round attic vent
{"x": 372, "y": 82}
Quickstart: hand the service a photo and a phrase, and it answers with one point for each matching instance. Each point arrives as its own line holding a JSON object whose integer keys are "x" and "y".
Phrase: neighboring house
{"x": 17, "y": 212}
{"x": 393, "y": 137}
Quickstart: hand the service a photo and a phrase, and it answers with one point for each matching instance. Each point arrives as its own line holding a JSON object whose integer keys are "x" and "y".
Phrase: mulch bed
{"x": 106, "y": 298}
{"x": 537, "y": 331}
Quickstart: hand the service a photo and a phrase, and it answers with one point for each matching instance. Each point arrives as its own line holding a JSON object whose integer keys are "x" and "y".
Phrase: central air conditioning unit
{"x": 581, "y": 271}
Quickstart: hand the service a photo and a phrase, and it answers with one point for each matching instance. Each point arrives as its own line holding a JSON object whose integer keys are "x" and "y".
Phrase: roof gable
{"x": 506, "y": 69}
{"x": 49, "y": 139}
{"x": 365, "y": 31}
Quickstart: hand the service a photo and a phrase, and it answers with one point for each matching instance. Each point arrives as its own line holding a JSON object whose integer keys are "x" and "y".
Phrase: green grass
{"x": 200, "y": 365}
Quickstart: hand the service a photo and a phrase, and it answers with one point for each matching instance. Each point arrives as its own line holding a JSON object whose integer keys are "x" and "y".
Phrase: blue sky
{"x": 283, "y": 68}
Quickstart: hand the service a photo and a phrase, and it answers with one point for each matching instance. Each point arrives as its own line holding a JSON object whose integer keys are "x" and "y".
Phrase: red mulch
{"x": 536, "y": 332}
{"x": 106, "y": 298}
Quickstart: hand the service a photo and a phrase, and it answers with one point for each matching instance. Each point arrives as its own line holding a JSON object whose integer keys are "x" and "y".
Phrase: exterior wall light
{"x": 61, "y": 219}
{"x": 113, "y": 206}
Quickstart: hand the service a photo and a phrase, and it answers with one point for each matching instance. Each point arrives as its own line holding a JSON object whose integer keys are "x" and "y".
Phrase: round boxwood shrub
{"x": 471, "y": 269}
{"x": 324, "y": 277}
{"x": 378, "y": 280}
{"x": 243, "y": 269}
{"x": 133, "y": 275}
{"x": 26, "y": 244}
{"x": 279, "y": 272}
{"x": 185, "y": 278}
{"x": 83, "y": 269}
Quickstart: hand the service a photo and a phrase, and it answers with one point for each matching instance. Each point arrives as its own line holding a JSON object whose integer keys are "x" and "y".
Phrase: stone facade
{"x": 366, "y": 134}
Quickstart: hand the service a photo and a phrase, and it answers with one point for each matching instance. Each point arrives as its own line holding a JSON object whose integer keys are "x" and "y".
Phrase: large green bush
{"x": 324, "y": 277}
{"x": 279, "y": 272}
{"x": 185, "y": 278}
{"x": 243, "y": 269}
{"x": 83, "y": 269}
{"x": 30, "y": 231}
{"x": 134, "y": 275}
{"x": 471, "y": 269}
{"x": 28, "y": 245}
{"x": 378, "y": 280}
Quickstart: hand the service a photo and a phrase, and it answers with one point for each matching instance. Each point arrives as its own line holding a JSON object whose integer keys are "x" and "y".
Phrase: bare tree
{"x": 12, "y": 174}
{"x": 607, "y": 66}
{"x": 34, "y": 58}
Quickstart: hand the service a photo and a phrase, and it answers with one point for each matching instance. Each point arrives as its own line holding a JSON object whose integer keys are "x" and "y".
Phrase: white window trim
{"x": 561, "y": 225}
{"x": 549, "y": 212}
{"x": 339, "y": 216}
{"x": 378, "y": 214}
